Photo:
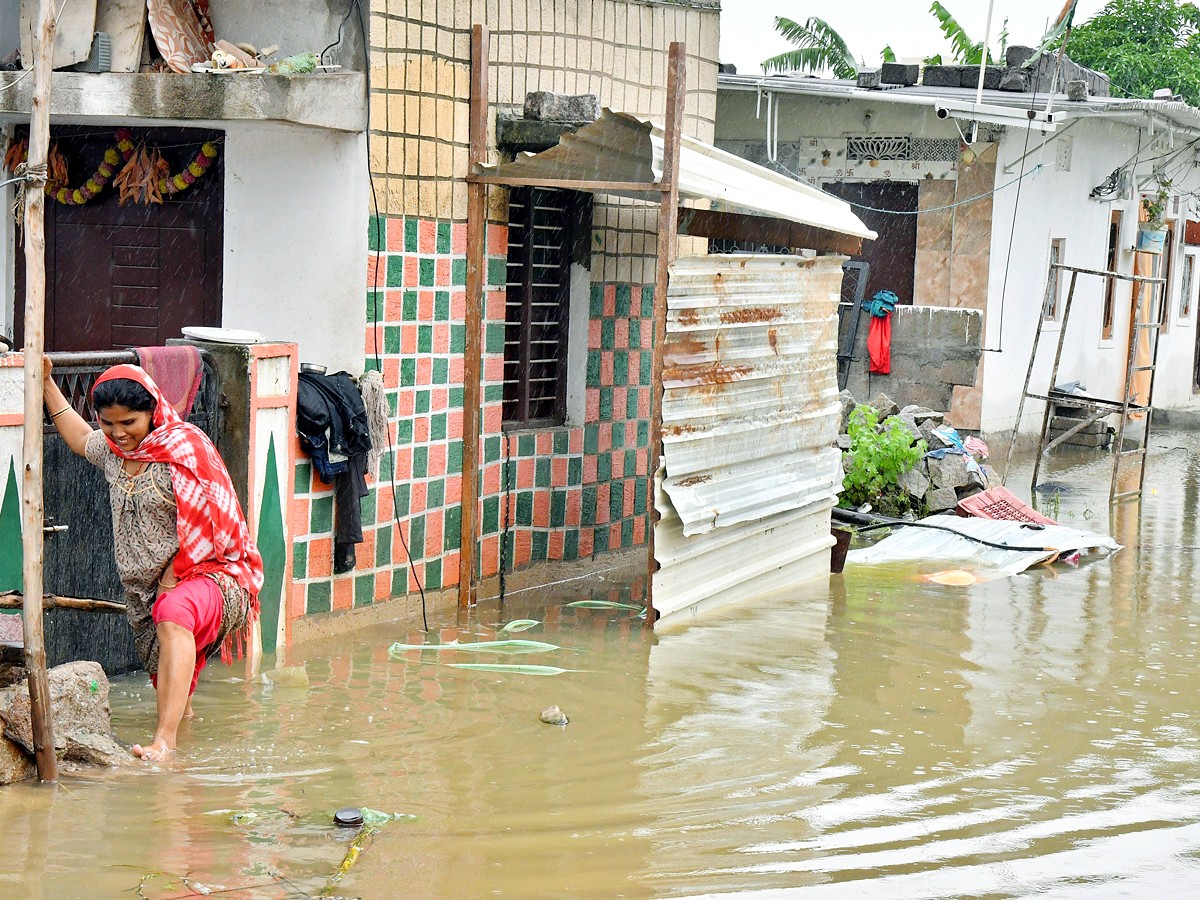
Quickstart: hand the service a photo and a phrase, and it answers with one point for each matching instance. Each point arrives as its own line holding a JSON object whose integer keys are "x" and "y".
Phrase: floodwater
{"x": 882, "y": 737}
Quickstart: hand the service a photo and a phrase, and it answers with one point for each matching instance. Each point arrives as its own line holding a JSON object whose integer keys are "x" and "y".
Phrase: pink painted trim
{"x": 11, "y": 419}
{"x": 274, "y": 402}
{"x": 12, "y": 360}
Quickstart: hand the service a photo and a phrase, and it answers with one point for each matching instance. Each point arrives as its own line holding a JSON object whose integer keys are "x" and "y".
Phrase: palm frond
{"x": 818, "y": 47}
{"x": 960, "y": 42}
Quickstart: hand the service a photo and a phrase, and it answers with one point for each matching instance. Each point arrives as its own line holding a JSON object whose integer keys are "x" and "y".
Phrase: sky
{"x": 748, "y": 35}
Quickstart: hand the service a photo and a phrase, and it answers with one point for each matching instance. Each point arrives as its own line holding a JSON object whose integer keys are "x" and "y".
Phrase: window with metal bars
{"x": 547, "y": 231}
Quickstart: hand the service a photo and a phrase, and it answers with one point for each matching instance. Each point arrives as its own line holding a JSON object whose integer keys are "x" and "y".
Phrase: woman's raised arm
{"x": 70, "y": 424}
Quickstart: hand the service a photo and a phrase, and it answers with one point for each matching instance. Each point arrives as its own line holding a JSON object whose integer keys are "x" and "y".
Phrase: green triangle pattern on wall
{"x": 10, "y": 534}
{"x": 273, "y": 547}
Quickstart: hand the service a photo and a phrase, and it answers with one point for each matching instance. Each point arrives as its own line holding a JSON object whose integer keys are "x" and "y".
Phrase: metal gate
{"x": 79, "y": 562}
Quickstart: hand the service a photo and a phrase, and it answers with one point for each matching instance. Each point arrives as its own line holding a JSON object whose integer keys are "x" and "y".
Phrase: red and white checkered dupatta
{"x": 213, "y": 536}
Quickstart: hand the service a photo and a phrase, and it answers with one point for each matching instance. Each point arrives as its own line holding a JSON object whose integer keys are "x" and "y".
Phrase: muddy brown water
{"x": 882, "y": 737}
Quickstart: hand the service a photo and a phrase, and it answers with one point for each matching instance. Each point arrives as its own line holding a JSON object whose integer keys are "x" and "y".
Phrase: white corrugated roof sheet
{"x": 1030, "y": 546}
{"x": 619, "y": 147}
{"x": 750, "y": 416}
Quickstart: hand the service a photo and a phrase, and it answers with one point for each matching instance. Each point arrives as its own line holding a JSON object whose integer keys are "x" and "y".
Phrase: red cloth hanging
{"x": 879, "y": 344}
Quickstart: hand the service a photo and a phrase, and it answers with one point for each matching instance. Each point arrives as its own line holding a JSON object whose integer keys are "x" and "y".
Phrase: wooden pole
{"x": 33, "y": 513}
{"x": 667, "y": 247}
{"x": 474, "y": 317}
{"x": 14, "y": 600}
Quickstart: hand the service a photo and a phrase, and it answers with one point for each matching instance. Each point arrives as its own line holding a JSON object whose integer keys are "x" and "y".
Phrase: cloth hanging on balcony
{"x": 879, "y": 338}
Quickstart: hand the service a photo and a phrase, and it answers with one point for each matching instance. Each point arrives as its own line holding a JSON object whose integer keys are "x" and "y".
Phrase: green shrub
{"x": 881, "y": 455}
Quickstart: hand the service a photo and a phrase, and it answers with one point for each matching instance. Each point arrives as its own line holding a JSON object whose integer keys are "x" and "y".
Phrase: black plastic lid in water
{"x": 348, "y": 817}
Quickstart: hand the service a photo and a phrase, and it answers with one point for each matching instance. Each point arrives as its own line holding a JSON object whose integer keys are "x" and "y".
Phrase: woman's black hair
{"x": 122, "y": 392}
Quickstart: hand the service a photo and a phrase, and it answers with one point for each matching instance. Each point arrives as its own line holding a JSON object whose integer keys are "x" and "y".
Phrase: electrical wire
{"x": 895, "y": 523}
{"x": 380, "y": 236}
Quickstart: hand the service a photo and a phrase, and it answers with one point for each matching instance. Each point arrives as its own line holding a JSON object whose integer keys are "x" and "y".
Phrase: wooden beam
{"x": 473, "y": 318}
{"x": 571, "y": 184}
{"x": 763, "y": 230}
{"x": 667, "y": 248}
{"x": 32, "y": 500}
{"x": 15, "y": 600}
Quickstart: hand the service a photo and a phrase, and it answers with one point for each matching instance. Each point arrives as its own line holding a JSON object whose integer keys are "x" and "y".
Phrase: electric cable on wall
{"x": 380, "y": 236}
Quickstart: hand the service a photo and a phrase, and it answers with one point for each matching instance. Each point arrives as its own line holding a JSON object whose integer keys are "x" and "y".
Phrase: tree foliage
{"x": 819, "y": 48}
{"x": 1143, "y": 45}
{"x": 966, "y": 52}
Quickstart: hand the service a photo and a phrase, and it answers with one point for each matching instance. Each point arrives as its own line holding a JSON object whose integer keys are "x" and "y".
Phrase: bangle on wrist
{"x": 54, "y": 416}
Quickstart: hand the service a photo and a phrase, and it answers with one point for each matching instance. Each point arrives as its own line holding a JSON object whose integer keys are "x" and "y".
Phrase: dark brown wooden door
{"x": 893, "y": 255}
{"x": 130, "y": 276}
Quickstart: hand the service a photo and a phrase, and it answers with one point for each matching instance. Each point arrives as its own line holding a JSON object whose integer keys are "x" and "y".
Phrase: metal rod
{"x": 1037, "y": 339}
{"x": 32, "y": 499}
{"x": 1135, "y": 320}
{"x": 1062, "y": 338}
{"x": 474, "y": 317}
{"x": 667, "y": 240}
{"x": 983, "y": 59}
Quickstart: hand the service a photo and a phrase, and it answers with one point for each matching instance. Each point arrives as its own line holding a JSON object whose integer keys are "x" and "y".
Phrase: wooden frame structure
{"x": 672, "y": 221}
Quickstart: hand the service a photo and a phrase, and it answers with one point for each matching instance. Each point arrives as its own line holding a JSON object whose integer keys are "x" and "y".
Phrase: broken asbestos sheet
{"x": 1011, "y": 547}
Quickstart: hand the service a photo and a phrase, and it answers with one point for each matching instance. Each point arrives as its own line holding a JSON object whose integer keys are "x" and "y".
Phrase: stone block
{"x": 911, "y": 424}
{"x": 1059, "y": 424}
{"x": 884, "y": 405}
{"x": 547, "y": 106}
{"x": 843, "y": 442}
{"x": 991, "y": 77}
{"x": 914, "y": 483}
{"x": 900, "y": 73}
{"x": 950, "y": 471}
{"x": 941, "y": 499}
{"x": 1017, "y": 55}
{"x": 991, "y": 476}
{"x": 848, "y": 403}
{"x": 944, "y": 76}
{"x": 870, "y": 79}
{"x": 97, "y": 750}
{"x": 922, "y": 414}
{"x": 969, "y": 491}
{"x": 1077, "y": 90}
{"x": 847, "y": 462}
{"x": 1015, "y": 81}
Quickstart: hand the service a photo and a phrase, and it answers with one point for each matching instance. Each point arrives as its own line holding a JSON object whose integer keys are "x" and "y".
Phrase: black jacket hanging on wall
{"x": 332, "y": 424}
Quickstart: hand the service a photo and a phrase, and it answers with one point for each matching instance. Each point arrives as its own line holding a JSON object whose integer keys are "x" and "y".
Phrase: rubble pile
{"x": 945, "y": 474}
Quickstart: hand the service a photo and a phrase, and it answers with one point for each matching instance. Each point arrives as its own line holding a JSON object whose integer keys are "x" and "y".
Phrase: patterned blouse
{"x": 144, "y": 540}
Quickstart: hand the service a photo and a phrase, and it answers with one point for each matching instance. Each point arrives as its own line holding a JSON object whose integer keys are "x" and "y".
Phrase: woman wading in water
{"x": 184, "y": 555}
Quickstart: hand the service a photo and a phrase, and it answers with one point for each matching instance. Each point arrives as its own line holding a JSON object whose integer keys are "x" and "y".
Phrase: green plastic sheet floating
{"x": 510, "y": 669}
{"x": 604, "y": 604}
{"x": 513, "y": 646}
{"x": 520, "y": 625}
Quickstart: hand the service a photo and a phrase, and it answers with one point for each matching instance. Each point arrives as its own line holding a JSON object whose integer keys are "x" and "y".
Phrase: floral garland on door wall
{"x": 144, "y": 178}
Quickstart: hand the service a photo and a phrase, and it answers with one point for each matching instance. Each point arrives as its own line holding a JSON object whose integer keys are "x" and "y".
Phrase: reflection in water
{"x": 879, "y": 737}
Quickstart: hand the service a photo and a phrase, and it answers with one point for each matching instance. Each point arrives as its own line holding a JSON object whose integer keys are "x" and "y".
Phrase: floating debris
{"x": 286, "y": 676}
{"x": 519, "y": 625}
{"x": 552, "y": 715}
{"x": 605, "y": 604}
{"x": 511, "y": 669}
{"x": 514, "y": 646}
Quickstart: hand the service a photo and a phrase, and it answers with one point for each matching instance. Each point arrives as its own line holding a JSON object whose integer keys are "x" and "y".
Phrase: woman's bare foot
{"x": 157, "y": 751}
{"x": 188, "y": 713}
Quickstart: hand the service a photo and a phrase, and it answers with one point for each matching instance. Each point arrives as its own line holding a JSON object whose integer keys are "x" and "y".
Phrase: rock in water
{"x": 552, "y": 715}
{"x": 79, "y": 710}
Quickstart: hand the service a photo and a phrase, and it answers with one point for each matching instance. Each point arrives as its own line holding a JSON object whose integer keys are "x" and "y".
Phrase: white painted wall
{"x": 296, "y": 217}
{"x": 1055, "y": 204}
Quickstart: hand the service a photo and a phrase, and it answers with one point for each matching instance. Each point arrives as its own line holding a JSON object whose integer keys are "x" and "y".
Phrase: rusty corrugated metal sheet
{"x": 750, "y": 417}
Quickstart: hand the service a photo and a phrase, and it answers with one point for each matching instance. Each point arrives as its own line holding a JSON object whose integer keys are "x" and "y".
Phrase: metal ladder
{"x": 1147, "y": 318}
